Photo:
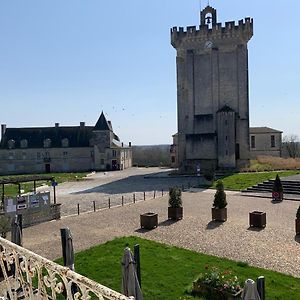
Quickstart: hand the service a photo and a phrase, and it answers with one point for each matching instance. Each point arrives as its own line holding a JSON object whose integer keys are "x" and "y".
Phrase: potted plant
{"x": 175, "y": 209}
{"x": 297, "y": 221}
{"x": 277, "y": 193}
{"x": 219, "y": 210}
{"x": 216, "y": 284}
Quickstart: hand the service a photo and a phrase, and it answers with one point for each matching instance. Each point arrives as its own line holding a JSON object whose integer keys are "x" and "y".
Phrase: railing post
{"x": 108, "y": 202}
{"x": 154, "y": 192}
{"x": 162, "y": 192}
{"x": 260, "y": 283}
{"x": 122, "y": 200}
{"x": 133, "y": 197}
{"x": 78, "y": 210}
{"x": 144, "y": 196}
{"x": 94, "y": 204}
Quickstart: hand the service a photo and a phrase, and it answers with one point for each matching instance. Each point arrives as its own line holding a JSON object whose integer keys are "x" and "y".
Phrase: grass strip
{"x": 168, "y": 272}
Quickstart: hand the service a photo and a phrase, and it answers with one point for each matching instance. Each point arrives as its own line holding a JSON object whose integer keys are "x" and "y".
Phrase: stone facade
{"x": 63, "y": 149}
{"x": 265, "y": 141}
{"x": 212, "y": 93}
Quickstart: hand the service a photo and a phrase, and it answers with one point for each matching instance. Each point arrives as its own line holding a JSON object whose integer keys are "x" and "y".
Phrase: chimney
{"x": 129, "y": 144}
{"x": 122, "y": 145}
{"x": 3, "y": 129}
{"x": 82, "y": 125}
{"x": 56, "y": 125}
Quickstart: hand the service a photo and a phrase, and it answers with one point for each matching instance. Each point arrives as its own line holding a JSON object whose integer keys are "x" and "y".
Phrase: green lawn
{"x": 168, "y": 272}
{"x": 12, "y": 189}
{"x": 241, "y": 181}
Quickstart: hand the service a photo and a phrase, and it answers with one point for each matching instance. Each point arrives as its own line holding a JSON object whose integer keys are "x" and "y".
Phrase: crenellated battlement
{"x": 243, "y": 29}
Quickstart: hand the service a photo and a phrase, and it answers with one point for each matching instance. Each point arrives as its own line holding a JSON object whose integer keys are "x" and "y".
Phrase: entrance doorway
{"x": 47, "y": 168}
{"x": 114, "y": 165}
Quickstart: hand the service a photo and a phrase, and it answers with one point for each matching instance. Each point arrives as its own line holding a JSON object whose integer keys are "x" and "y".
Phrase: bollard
{"x": 162, "y": 192}
{"x": 94, "y": 203}
{"x": 154, "y": 194}
{"x": 108, "y": 202}
{"x": 78, "y": 208}
{"x": 260, "y": 283}
{"x": 133, "y": 198}
{"x": 144, "y": 196}
{"x": 122, "y": 200}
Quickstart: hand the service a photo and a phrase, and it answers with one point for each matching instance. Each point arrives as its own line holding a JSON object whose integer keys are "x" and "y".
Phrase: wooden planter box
{"x": 175, "y": 213}
{"x": 149, "y": 220}
{"x": 297, "y": 226}
{"x": 209, "y": 292}
{"x": 257, "y": 219}
{"x": 277, "y": 196}
{"x": 219, "y": 214}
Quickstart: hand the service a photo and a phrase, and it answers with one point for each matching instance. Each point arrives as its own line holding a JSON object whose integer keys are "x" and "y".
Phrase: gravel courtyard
{"x": 274, "y": 247}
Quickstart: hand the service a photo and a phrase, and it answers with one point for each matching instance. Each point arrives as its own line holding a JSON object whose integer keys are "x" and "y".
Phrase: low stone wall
{"x": 30, "y": 217}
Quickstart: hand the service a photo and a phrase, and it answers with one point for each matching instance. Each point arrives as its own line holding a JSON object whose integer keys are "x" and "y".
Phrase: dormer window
{"x": 65, "y": 142}
{"x": 11, "y": 144}
{"x": 24, "y": 143}
{"x": 47, "y": 143}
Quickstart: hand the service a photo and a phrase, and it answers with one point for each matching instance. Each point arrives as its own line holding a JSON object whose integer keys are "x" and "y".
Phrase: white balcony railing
{"x": 26, "y": 275}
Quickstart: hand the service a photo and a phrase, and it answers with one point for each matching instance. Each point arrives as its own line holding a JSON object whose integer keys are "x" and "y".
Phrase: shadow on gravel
{"x": 297, "y": 238}
{"x": 213, "y": 225}
{"x": 167, "y": 223}
{"x": 138, "y": 183}
{"x": 142, "y": 230}
{"x": 250, "y": 228}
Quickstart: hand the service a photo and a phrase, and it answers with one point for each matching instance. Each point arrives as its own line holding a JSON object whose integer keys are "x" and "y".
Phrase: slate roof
{"x": 102, "y": 123}
{"x": 263, "y": 130}
{"x": 35, "y": 136}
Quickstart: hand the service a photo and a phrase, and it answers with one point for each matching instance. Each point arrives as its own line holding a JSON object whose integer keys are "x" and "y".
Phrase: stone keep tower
{"x": 212, "y": 93}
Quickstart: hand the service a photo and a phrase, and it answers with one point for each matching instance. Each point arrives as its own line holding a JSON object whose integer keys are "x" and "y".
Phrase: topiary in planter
{"x": 175, "y": 209}
{"x": 175, "y": 197}
{"x": 219, "y": 210}
{"x": 220, "y": 196}
{"x": 277, "y": 194}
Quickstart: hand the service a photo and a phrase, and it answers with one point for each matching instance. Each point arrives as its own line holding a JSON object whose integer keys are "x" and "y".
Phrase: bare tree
{"x": 291, "y": 144}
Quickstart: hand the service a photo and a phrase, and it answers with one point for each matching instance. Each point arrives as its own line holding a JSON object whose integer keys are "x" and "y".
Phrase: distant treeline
{"x": 151, "y": 156}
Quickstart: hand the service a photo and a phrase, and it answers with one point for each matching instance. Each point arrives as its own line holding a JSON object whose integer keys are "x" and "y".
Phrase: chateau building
{"x": 212, "y": 93}
{"x": 63, "y": 149}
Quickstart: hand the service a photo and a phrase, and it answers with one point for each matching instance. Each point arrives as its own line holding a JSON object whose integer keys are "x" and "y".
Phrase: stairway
{"x": 289, "y": 187}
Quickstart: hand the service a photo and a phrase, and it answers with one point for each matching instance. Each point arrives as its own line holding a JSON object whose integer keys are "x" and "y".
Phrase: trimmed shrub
{"x": 175, "y": 197}
{"x": 220, "y": 196}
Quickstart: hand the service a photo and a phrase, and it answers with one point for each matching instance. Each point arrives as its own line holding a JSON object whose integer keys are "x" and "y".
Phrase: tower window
{"x": 252, "y": 141}
{"x": 272, "y": 141}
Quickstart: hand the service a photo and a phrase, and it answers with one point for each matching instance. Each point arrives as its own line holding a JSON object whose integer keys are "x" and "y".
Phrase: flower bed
{"x": 216, "y": 284}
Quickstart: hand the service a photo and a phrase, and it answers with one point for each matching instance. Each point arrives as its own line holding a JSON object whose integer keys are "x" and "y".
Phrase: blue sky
{"x": 66, "y": 61}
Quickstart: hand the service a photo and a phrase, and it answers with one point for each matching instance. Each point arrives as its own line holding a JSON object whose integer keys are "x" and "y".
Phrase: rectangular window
{"x": 252, "y": 141}
{"x": 114, "y": 153}
{"x": 272, "y": 141}
{"x": 65, "y": 153}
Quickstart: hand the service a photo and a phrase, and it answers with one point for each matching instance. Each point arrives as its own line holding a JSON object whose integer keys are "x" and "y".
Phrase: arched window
{"x": 11, "y": 144}
{"x": 47, "y": 143}
{"x": 24, "y": 143}
{"x": 65, "y": 142}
